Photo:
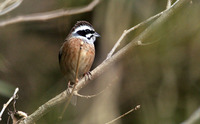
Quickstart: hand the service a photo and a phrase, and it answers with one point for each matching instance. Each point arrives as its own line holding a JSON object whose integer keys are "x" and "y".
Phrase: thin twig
{"x": 9, "y": 101}
{"x": 116, "y": 44}
{"x": 193, "y": 118}
{"x": 130, "y": 30}
{"x": 88, "y": 96}
{"x": 43, "y": 109}
{"x": 121, "y": 116}
{"x": 50, "y": 15}
{"x": 91, "y": 96}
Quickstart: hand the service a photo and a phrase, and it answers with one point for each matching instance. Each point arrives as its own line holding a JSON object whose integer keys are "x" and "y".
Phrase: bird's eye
{"x": 82, "y": 33}
{"x": 87, "y": 31}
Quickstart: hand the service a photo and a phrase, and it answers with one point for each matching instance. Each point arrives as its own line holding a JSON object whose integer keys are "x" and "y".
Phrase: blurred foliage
{"x": 164, "y": 77}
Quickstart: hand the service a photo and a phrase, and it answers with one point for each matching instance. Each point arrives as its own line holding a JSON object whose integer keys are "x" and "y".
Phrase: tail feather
{"x": 73, "y": 99}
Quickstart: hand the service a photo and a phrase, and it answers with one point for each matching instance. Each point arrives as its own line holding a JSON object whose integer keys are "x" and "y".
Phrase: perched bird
{"x": 82, "y": 32}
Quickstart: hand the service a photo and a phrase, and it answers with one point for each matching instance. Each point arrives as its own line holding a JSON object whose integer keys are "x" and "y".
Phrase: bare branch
{"x": 9, "y": 101}
{"x": 121, "y": 116}
{"x": 193, "y": 118}
{"x": 106, "y": 64}
{"x": 49, "y": 15}
{"x": 91, "y": 96}
{"x": 126, "y": 32}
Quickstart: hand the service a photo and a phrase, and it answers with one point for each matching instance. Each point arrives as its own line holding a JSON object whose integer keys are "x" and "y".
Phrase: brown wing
{"x": 68, "y": 57}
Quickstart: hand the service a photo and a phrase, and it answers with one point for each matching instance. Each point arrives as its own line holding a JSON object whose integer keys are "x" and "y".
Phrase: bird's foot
{"x": 87, "y": 75}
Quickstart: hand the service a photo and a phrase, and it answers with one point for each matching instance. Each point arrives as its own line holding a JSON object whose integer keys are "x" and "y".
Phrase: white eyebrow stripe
{"x": 83, "y": 27}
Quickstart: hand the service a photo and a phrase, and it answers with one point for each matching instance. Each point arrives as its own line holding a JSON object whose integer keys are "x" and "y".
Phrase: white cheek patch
{"x": 89, "y": 35}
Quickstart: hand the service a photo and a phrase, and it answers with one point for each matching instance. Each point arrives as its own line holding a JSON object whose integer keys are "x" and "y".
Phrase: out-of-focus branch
{"x": 9, "y": 101}
{"x": 9, "y": 5}
{"x": 193, "y": 118}
{"x": 121, "y": 116}
{"x": 49, "y": 15}
{"x": 106, "y": 64}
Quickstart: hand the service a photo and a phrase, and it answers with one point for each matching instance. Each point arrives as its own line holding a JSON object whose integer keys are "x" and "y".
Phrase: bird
{"x": 81, "y": 35}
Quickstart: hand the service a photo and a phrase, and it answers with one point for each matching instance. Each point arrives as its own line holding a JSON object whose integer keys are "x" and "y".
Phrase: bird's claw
{"x": 88, "y": 75}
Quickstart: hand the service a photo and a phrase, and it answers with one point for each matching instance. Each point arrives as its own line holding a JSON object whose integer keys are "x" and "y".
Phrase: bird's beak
{"x": 96, "y": 34}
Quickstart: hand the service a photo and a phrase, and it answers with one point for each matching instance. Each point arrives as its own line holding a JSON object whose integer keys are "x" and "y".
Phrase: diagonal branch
{"x": 106, "y": 64}
{"x": 50, "y": 15}
{"x": 9, "y": 101}
{"x": 121, "y": 116}
{"x": 193, "y": 118}
{"x": 126, "y": 32}
{"x": 135, "y": 42}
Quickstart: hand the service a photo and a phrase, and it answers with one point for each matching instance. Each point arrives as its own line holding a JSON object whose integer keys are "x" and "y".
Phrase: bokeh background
{"x": 164, "y": 77}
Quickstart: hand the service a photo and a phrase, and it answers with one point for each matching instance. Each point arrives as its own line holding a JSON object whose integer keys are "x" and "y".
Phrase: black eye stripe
{"x": 85, "y": 32}
{"x": 82, "y": 33}
{"x": 92, "y": 32}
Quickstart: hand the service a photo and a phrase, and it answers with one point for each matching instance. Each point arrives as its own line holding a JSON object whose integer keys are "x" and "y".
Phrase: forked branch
{"x": 126, "y": 32}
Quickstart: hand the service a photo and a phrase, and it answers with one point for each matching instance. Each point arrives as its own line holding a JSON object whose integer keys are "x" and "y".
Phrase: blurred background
{"x": 164, "y": 77}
